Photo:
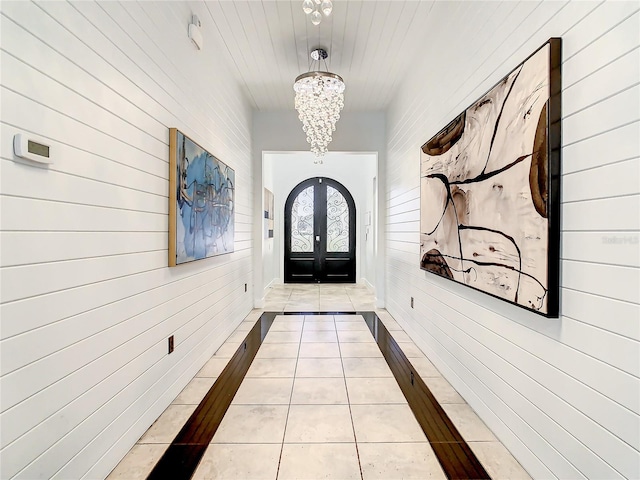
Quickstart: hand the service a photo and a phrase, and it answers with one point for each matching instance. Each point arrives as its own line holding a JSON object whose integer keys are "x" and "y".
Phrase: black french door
{"x": 320, "y": 233}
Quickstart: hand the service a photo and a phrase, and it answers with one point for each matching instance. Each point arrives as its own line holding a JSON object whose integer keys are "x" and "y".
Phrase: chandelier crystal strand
{"x": 314, "y": 7}
{"x": 326, "y": 6}
{"x": 319, "y": 101}
{"x": 308, "y": 6}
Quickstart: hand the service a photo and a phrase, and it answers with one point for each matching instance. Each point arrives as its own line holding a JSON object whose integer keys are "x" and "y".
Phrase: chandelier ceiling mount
{"x": 319, "y": 54}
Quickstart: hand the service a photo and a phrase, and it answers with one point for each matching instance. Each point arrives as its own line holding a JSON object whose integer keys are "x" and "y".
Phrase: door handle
{"x": 317, "y": 238}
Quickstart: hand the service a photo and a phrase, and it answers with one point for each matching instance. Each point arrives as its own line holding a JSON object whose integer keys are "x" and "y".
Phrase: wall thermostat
{"x": 32, "y": 148}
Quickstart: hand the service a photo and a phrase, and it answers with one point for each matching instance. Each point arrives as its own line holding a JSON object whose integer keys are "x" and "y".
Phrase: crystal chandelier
{"x": 313, "y": 8}
{"x": 319, "y": 100}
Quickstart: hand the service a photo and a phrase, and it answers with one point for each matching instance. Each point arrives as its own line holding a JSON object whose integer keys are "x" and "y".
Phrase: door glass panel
{"x": 337, "y": 221}
{"x": 302, "y": 221}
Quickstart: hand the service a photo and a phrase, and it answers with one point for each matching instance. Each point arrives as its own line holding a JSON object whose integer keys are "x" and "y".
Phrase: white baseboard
{"x": 367, "y": 284}
{"x": 259, "y": 303}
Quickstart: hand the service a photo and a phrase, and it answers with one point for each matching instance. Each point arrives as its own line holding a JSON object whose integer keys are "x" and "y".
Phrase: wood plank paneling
{"x": 561, "y": 394}
{"x": 595, "y": 152}
{"x": 23, "y": 248}
{"x": 87, "y": 299}
{"x": 371, "y": 44}
{"x": 625, "y": 173}
{"x": 603, "y": 116}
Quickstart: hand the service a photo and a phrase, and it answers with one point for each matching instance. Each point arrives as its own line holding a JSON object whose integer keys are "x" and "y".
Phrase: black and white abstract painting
{"x": 486, "y": 192}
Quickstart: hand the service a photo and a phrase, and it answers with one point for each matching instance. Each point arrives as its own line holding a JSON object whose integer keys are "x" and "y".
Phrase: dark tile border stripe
{"x": 181, "y": 459}
{"x": 454, "y": 454}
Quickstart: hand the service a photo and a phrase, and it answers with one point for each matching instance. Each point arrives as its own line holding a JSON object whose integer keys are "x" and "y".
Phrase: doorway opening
{"x": 320, "y": 233}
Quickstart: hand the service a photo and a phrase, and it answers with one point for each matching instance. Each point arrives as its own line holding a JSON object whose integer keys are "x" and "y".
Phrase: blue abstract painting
{"x": 201, "y": 213}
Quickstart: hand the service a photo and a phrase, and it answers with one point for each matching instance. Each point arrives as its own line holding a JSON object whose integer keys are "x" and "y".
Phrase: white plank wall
{"x": 562, "y": 394}
{"x": 87, "y": 300}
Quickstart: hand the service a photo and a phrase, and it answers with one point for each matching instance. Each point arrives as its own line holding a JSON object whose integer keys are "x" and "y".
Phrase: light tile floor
{"x": 319, "y": 401}
{"x": 318, "y": 298}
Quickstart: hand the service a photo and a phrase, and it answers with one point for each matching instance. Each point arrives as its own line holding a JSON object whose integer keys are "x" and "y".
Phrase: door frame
{"x": 321, "y": 257}
{"x": 280, "y": 170}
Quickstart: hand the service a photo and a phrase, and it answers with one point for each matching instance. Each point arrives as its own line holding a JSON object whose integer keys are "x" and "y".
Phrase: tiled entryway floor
{"x": 318, "y": 298}
{"x": 319, "y": 401}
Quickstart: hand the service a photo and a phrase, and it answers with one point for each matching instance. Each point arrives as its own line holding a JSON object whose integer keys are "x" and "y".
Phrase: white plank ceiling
{"x": 371, "y": 44}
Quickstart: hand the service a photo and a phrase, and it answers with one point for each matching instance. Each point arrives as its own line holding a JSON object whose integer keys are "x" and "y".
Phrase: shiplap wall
{"x": 87, "y": 299}
{"x": 562, "y": 394}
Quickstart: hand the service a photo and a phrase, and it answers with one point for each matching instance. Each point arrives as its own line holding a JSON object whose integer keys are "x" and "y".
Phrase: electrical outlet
{"x": 245, "y": 287}
{"x": 170, "y": 343}
{"x": 411, "y": 302}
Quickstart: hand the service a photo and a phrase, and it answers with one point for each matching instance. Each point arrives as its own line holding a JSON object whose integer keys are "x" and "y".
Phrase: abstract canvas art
{"x": 201, "y": 202}
{"x": 489, "y": 189}
{"x": 268, "y": 213}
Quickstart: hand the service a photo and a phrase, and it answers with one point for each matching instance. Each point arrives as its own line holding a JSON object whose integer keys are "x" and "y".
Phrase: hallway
{"x": 319, "y": 401}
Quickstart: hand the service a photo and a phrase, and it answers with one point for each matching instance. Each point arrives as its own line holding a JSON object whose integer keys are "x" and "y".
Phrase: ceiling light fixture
{"x": 319, "y": 100}
{"x": 313, "y": 8}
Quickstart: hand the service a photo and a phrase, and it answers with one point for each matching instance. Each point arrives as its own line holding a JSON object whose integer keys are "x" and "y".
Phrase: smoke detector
{"x": 194, "y": 32}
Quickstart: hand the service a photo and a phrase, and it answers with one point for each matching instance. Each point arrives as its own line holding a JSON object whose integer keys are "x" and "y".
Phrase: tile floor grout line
{"x": 344, "y": 377}
{"x": 323, "y": 294}
{"x": 293, "y": 384}
{"x": 174, "y": 459}
{"x": 472, "y": 462}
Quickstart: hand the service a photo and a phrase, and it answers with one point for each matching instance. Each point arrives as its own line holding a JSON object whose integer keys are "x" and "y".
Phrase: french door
{"x": 320, "y": 233}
